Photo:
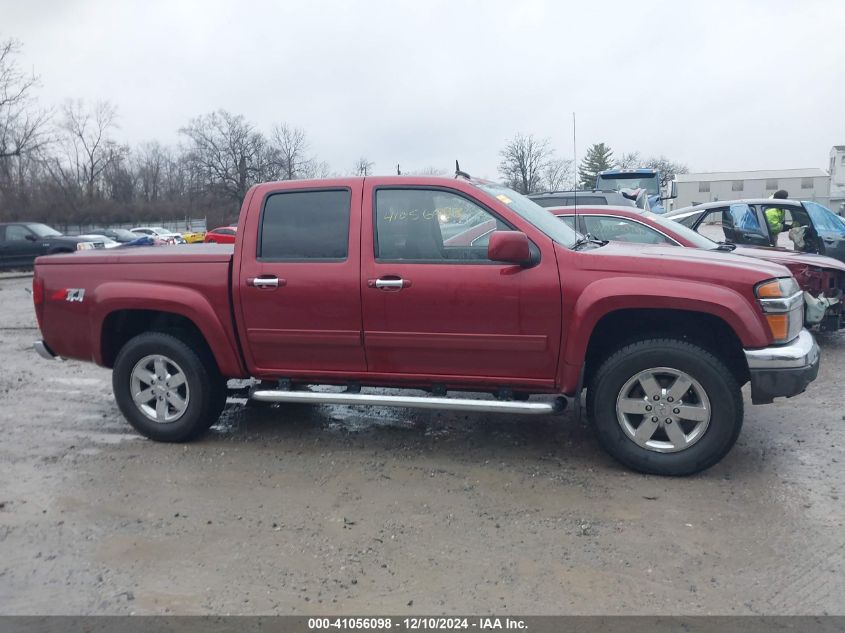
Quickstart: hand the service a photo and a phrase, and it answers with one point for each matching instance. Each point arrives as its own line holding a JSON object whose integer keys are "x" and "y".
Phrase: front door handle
{"x": 265, "y": 282}
{"x": 388, "y": 283}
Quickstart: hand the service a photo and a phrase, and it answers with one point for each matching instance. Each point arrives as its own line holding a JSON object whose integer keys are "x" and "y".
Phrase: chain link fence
{"x": 178, "y": 226}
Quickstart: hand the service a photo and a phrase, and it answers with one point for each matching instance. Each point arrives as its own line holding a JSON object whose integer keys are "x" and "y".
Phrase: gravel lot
{"x": 325, "y": 509}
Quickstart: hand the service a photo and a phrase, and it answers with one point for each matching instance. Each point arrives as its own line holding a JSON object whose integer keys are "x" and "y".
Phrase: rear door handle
{"x": 265, "y": 282}
{"x": 388, "y": 283}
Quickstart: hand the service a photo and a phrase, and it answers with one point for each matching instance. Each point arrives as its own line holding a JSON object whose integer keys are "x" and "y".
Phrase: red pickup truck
{"x": 352, "y": 282}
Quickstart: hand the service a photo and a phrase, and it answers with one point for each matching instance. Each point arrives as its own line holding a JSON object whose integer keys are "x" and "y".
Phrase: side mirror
{"x": 512, "y": 247}
{"x": 673, "y": 189}
{"x": 31, "y": 237}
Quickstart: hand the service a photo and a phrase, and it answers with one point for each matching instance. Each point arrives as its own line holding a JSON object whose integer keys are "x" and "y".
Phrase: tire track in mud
{"x": 809, "y": 584}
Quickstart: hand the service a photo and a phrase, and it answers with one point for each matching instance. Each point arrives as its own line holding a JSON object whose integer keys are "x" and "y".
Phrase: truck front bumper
{"x": 783, "y": 370}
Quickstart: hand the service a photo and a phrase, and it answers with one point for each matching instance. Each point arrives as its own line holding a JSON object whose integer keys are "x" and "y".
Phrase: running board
{"x": 417, "y": 402}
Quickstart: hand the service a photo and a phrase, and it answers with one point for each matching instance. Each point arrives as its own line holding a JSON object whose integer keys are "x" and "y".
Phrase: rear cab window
{"x": 305, "y": 225}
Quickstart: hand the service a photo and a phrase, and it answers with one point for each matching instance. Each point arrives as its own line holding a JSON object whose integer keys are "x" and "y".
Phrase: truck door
{"x": 298, "y": 281}
{"x": 438, "y": 309}
{"x": 746, "y": 224}
{"x": 830, "y": 229}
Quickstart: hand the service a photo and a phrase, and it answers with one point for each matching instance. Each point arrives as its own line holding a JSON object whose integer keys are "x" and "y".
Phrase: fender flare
{"x": 605, "y": 296}
{"x": 115, "y": 296}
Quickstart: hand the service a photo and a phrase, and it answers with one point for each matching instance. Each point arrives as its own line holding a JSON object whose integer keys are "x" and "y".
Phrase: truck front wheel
{"x": 666, "y": 407}
{"x": 165, "y": 389}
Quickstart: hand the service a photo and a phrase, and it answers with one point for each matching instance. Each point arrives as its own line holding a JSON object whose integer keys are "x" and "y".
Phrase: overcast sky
{"x": 716, "y": 85}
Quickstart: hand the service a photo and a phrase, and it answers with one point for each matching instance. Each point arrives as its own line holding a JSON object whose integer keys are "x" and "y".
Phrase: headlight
{"x": 783, "y": 306}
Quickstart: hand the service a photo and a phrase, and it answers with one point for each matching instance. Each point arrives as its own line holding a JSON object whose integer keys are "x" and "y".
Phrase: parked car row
{"x": 222, "y": 235}
{"x": 22, "y": 242}
{"x": 821, "y": 278}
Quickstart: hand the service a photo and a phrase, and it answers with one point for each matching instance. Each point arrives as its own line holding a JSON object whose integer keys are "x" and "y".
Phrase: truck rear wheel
{"x": 165, "y": 389}
{"x": 666, "y": 407}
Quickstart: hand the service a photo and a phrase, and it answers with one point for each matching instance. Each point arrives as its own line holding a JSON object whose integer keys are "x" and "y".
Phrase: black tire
{"x": 713, "y": 376}
{"x": 206, "y": 387}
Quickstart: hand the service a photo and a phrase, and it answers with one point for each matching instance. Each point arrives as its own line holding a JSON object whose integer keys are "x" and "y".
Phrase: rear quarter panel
{"x": 197, "y": 290}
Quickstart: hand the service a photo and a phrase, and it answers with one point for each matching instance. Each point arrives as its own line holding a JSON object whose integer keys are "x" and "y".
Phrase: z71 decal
{"x": 75, "y": 294}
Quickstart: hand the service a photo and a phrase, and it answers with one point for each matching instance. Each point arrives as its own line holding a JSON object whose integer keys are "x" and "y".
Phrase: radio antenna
{"x": 459, "y": 173}
{"x": 575, "y": 171}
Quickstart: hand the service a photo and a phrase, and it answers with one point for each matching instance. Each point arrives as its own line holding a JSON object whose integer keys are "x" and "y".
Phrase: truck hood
{"x": 682, "y": 263}
{"x": 180, "y": 254}
{"x": 788, "y": 258}
{"x": 63, "y": 239}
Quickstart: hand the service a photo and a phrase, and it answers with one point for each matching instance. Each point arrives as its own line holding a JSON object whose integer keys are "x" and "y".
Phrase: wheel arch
{"x": 125, "y": 310}
{"x": 622, "y": 327}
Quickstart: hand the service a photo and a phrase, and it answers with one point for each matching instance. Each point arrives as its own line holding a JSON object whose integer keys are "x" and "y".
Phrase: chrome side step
{"x": 416, "y": 402}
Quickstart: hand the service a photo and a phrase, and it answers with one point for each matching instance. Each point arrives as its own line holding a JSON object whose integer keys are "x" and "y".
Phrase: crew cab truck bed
{"x": 355, "y": 282}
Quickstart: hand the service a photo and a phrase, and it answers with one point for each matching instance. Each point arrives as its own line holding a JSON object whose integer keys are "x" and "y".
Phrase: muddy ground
{"x": 325, "y": 509}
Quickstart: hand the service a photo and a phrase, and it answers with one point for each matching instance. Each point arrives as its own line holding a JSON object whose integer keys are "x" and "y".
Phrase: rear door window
{"x": 305, "y": 225}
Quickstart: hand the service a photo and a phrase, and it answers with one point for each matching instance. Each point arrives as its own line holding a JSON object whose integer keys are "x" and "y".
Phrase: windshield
{"x": 629, "y": 181}
{"x": 123, "y": 234}
{"x": 824, "y": 218}
{"x": 42, "y": 230}
{"x": 531, "y": 212}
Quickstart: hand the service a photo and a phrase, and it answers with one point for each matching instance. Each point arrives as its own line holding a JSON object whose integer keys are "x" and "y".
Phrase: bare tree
{"x": 88, "y": 145}
{"x": 149, "y": 164}
{"x": 668, "y": 168}
{"x": 629, "y": 160}
{"x": 318, "y": 169}
{"x": 21, "y": 124}
{"x": 428, "y": 171}
{"x": 290, "y": 147}
{"x": 229, "y": 155}
{"x": 558, "y": 174}
{"x": 119, "y": 176}
{"x": 524, "y": 159}
{"x": 363, "y": 167}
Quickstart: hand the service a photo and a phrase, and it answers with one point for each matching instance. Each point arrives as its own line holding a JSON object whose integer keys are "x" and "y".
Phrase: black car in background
{"x": 118, "y": 235}
{"x": 744, "y": 222}
{"x": 22, "y": 242}
{"x": 569, "y": 198}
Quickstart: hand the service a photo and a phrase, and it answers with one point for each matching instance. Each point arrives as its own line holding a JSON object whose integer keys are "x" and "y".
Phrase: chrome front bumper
{"x": 783, "y": 370}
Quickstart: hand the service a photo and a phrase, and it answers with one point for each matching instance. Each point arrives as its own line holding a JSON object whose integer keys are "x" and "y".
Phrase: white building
{"x": 802, "y": 184}
{"x": 837, "y": 179}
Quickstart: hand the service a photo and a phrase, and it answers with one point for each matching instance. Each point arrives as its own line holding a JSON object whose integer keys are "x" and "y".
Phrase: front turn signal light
{"x": 783, "y": 306}
{"x": 779, "y": 325}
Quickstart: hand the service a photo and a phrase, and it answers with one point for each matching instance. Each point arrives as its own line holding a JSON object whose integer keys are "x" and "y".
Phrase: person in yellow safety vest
{"x": 776, "y": 216}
